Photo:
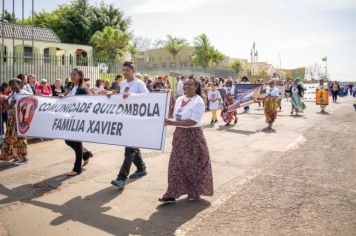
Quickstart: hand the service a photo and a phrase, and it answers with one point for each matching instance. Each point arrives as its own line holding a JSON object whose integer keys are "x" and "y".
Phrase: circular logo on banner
{"x": 26, "y": 108}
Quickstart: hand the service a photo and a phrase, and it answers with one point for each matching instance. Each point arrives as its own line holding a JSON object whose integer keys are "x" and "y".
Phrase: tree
{"x": 77, "y": 21}
{"x": 314, "y": 71}
{"x": 174, "y": 46}
{"x": 8, "y": 17}
{"x": 217, "y": 57}
{"x": 143, "y": 43}
{"x": 107, "y": 15}
{"x": 158, "y": 43}
{"x": 110, "y": 43}
{"x": 263, "y": 73}
{"x": 202, "y": 50}
{"x": 133, "y": 50}
{"x": 236, "y": 66}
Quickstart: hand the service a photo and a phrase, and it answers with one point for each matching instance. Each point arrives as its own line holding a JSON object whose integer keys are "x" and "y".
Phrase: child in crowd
{"x": 214, "y": 98}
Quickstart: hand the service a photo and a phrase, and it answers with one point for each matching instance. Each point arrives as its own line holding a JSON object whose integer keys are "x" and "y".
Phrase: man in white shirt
{"x": 130, "y": 85}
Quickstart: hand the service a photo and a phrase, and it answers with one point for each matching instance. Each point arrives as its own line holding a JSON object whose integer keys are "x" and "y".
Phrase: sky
{"x": 301, "y": 32}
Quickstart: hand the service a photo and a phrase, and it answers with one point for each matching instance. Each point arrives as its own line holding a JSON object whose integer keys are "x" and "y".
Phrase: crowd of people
{"x": 189, "y": 170}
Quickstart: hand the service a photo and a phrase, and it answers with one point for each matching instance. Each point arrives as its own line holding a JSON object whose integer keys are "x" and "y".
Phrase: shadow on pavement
{"x": 323, "y": 113}
{"x": 268, "y": 131}
{"x": 90, "y": 210}
{"x": 30, "y": 191}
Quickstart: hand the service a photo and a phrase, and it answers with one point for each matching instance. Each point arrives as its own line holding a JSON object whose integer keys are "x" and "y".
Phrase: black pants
{"x": 131, "y": 155}
{"x": 79, "y": 151}
{"x": 334, "y": 93}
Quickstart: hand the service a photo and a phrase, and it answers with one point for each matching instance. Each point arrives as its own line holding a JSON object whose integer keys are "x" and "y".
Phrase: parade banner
{"x": 310, "y": 92}
{"x": 322, "y": 97}
{"x": 282, "y": 90}
{"x": 245, "y": 95}
{"x": 137, "y": 121}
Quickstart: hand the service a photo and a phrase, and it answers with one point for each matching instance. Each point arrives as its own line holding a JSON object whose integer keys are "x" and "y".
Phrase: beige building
{"x": 161, "y": 58}
{"x": 47, "y": 47}
{"x": 261, "y": 68}
{"x": 41, "y": 52}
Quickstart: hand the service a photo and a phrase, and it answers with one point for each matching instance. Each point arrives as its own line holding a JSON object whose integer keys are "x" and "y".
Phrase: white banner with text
{"x": 137, "y": 121}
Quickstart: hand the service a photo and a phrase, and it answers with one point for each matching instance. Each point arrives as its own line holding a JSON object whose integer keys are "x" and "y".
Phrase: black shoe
{"x": 138, "y": 174}
{"x": 235, "y": 122}
{"x": 87, "y": 155}
{"x": 167, "y": 200}
{"x": 215, "y": 121}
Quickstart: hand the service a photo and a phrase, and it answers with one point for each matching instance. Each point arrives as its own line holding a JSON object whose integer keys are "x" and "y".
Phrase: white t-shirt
{"x": 323, "y": 86}
{"x": 15, "y": 96}
{"x": 193, "y": 110}
{"x": 28, "y": 88}
{"x": 134, "y": 87}
{"x": 229, "y": 90}
{"x": 73, "y": 91}
{"x": 294, "y": 89}
{"x": 180, "y": 88}
{"x": 274, "y": 92}
{"x": 214, "y": 105}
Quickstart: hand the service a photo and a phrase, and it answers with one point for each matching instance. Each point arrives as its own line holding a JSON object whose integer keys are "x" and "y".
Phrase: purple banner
{"x": 245, "y": 95}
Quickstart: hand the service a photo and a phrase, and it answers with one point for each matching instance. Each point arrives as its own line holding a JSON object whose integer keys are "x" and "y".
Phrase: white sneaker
{"x": 21, "y": 162}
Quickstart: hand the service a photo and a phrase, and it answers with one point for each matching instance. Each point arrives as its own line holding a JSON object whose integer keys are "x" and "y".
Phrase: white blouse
{"x": 229, "y": 90}
{"x": 193, "y": 109}
{"x": 212, "y": 95}
{"x": 273, "y": 92}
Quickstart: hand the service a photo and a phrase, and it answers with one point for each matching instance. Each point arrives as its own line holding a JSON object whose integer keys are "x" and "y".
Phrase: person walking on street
{"x": 189, "y": 170}
{"x": 335, "y": 88}
{"x": 81, "y": 153}
{"x": 129, "y": 86}
{"x": 296, "y": 94}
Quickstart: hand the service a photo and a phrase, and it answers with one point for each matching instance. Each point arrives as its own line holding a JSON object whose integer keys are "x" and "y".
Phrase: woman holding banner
{"x": 296, "y": 94}
{"x": 14, "y": 147}
{"x": 189, "y": 170}
{"x": 229, "y": 93}
{"x": 77, "y": 88}
{"x": 271, "y": 103}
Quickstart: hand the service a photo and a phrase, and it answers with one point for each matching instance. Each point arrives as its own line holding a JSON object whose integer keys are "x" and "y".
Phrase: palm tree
{"x": 133, "y": 50}
{"x": 174, "y": 46}
{"x": 217, "y": 57}
{"x": 236, "y": 66}
{"x": 110, "y": 43}
{"x": 202, "y": 50}
{"x": 8, "y": 17}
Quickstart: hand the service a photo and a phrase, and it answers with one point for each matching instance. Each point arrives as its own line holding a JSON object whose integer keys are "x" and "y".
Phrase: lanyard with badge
{"x": 180, "y": 109}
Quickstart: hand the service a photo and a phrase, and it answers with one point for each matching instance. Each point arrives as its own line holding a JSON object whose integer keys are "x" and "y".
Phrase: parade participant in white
{"x": 214, "y": 98}
{"x": 130, "y": 86}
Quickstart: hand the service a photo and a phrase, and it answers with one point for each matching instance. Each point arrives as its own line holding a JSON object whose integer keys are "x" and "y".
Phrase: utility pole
{"x": 280, "y": 64}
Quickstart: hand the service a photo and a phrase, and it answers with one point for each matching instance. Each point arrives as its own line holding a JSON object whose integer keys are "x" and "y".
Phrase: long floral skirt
{"x": 271, "y": 106}
{"x": 14, "y": 147}
{"x": 297, "y": 102}
{"x": 189, "y": 170}
{"x": 226, "y": 115}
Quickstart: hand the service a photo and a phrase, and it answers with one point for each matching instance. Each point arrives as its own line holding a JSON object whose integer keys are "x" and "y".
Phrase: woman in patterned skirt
{"x": 14, "y": 147}
{"x": 271, "y": 104}
{"x": 226, "y": 115}
{"x": 189, "y": 170}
